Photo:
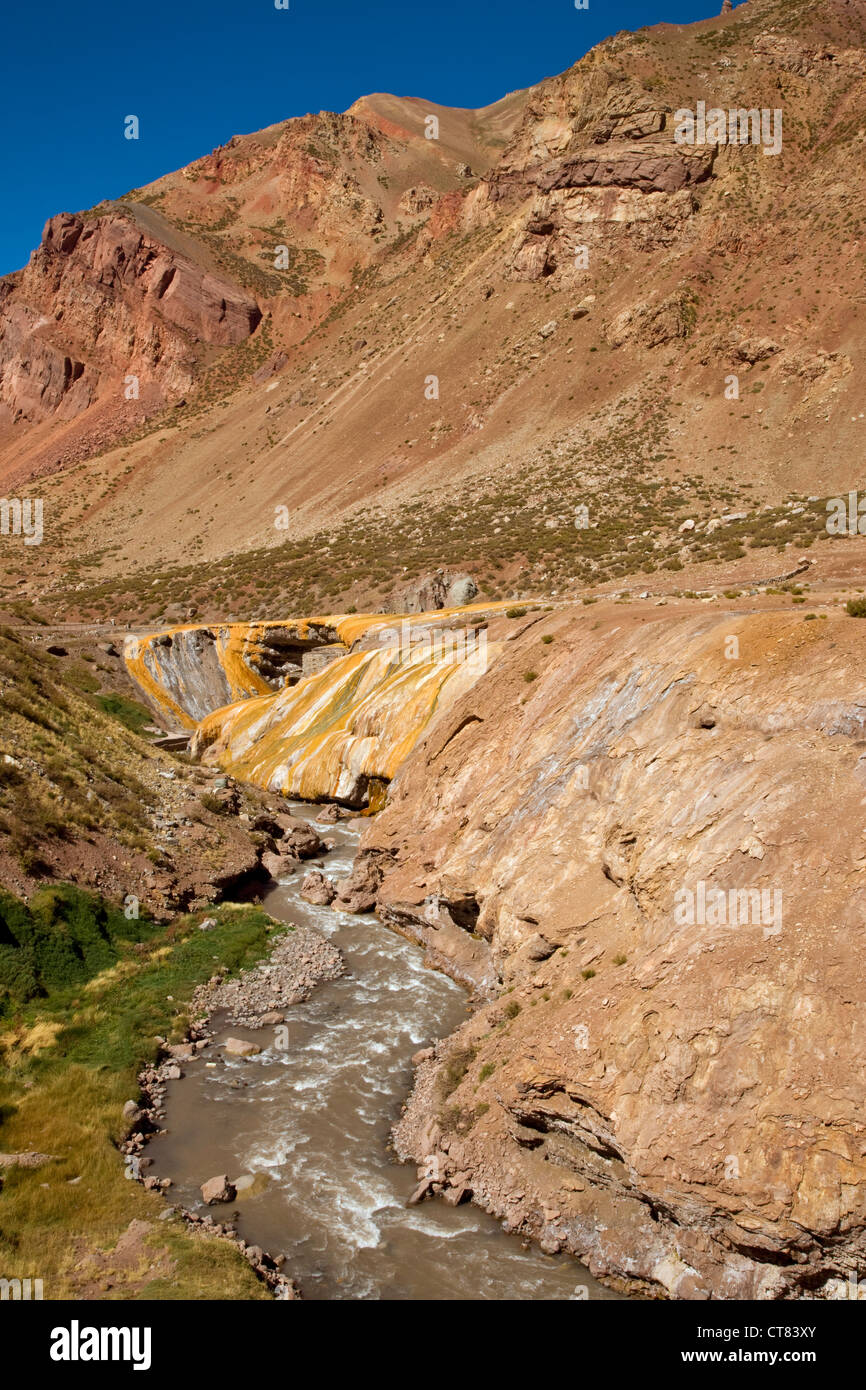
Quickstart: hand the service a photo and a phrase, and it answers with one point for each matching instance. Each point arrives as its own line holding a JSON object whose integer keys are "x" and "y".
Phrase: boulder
{"x": 357, "y": 893}
{"x": 240, "y": 1047}
{"x": 277, "y": 865}
{"x": 462, "y": 590}
{"x": 439, "y": 590}
{"x": 301, "y": 840}
{"x": 420, "y": 1192}
{"x": 318, "y": 889}
{"x": 218, "y": 1190}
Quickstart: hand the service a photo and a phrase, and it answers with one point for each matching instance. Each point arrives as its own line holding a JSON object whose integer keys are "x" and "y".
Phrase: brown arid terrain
{"x": 678, "y": 1103}
{"x": 669, "y": 1092}
{"x": 545, "y": 385}
{"x": 435, "y": 379}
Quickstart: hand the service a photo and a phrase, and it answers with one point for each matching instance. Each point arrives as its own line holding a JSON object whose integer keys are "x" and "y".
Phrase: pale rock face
{"x": 653, "y": 1060}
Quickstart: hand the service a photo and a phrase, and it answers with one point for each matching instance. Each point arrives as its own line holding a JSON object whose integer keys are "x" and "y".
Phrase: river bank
{"x": 302, "y": 1128}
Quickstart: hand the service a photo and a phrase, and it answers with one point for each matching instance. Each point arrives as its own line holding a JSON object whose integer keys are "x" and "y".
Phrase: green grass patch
{"x": 69, "y": 1059}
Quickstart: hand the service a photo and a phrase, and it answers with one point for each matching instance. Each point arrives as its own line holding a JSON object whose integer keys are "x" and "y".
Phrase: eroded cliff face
{"x": 100, "y": 301}
{"x": 188, "y": 672}
{"x": 674, "y": 1098}
{"x": 596, "y": 157}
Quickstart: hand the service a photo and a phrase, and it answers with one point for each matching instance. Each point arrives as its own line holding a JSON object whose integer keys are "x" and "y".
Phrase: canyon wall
{"x": 654, "y": 853}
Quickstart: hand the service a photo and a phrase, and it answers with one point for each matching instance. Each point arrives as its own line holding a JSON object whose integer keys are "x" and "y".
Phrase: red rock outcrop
{"x": 101, "y": 300}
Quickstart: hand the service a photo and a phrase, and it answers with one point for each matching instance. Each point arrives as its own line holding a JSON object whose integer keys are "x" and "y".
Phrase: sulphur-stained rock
{"x": 318, "y": 889}
{"x": 218, "y": 1190}
{"x": 344, "y": 731}
{"x": 673, "y": 1094}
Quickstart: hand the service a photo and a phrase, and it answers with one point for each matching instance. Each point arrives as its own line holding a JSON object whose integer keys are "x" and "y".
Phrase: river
{"x": 307, "y": 1124}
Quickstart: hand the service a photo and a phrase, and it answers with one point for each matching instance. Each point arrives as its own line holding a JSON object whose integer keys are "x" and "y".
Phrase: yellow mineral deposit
{"x": 335, "y": 731}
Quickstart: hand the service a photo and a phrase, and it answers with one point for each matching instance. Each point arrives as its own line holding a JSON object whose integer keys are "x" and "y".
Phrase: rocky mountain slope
{"x": 86, "y": 799}
{"x": 669, "y": 1091}
{"x": 559, "y": 327}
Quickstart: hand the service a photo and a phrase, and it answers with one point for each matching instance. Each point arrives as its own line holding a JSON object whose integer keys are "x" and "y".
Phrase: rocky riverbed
{"x": 276, "y": 1121}
{"x": 300, "y": 959}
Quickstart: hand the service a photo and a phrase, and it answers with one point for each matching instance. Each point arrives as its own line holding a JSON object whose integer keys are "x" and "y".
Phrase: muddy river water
{"x": 307, "y": 1123}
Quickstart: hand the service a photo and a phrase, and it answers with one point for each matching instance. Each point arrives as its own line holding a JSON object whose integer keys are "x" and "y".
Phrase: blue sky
{"x": 196, "y": 72}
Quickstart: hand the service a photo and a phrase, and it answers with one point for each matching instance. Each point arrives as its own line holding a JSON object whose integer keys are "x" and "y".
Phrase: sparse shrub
{"x": 456, "y": 1068}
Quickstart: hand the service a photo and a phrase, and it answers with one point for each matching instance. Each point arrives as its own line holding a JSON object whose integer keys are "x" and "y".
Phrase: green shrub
{"x": 456, "y": 1068}
{"x": 129, "y": 712}
{"x": 62, "y": 938}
